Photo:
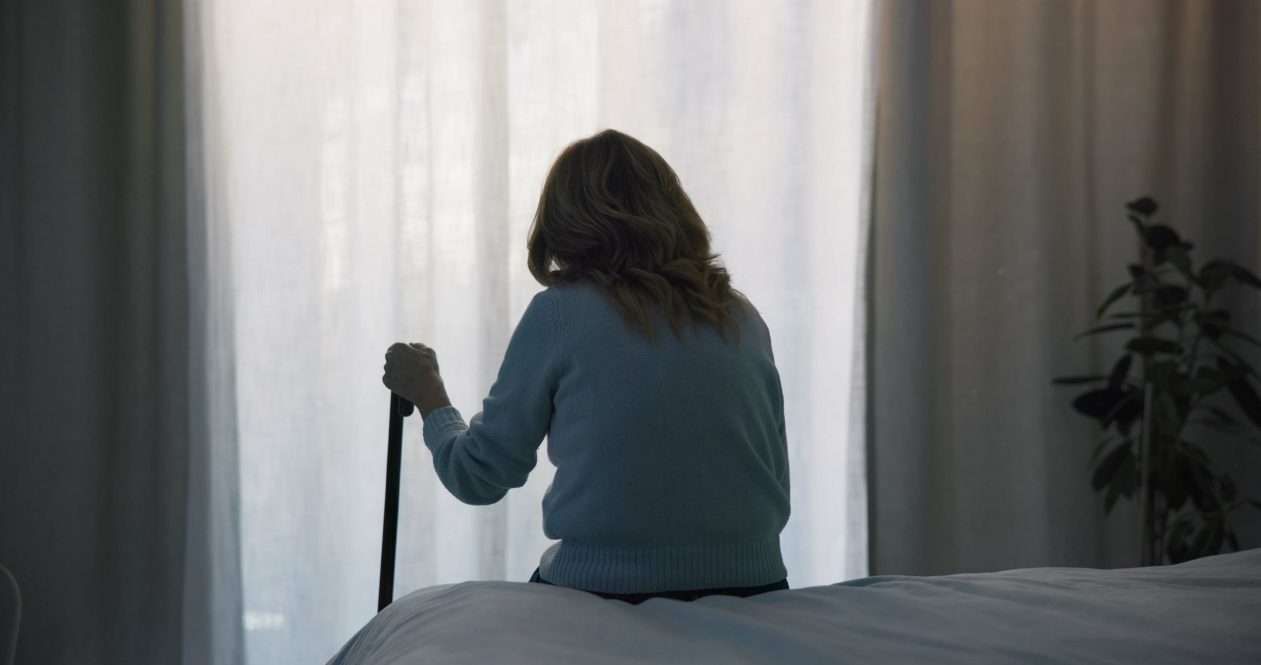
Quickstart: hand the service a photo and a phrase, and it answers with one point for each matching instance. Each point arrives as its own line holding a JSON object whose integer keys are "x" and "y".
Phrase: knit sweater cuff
{"x": 442, "y": 423}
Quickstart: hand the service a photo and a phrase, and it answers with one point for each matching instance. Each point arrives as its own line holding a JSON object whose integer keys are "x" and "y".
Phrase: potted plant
{"x": 1177, "y": 369}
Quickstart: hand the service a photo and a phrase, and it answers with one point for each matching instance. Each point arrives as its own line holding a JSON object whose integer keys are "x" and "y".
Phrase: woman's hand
{"x": 411, "y": 370}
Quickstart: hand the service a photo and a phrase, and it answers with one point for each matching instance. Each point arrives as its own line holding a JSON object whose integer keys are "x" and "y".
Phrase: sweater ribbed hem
{"x": 651, "y": 569}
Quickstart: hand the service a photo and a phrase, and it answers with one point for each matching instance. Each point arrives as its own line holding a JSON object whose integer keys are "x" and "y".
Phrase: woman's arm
{"x": 480, "y": 461}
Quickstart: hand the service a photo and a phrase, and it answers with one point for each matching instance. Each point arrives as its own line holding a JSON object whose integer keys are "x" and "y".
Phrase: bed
{"x": 1202, "y": 611}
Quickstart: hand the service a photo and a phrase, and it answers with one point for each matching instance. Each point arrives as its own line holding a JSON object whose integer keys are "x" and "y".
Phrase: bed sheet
{"x": 1202, "y": 611}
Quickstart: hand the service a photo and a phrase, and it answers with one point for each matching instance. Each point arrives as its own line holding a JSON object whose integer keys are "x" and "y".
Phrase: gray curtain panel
{"x": 104, "y": 467}
{"x": 1010, "y": 136}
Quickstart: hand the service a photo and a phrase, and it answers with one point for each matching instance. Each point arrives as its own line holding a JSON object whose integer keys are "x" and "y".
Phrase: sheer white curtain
{"x": 373, "y": 166}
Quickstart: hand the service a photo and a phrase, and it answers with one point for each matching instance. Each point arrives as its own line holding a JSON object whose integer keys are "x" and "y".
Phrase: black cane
{"x": 399, "y": 409}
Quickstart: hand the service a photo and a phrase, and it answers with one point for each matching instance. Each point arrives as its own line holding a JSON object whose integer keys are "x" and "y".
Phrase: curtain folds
{"x": 1011, "y": 135}
{"x": 214, "y": 632}
{"x": 103, "y": 481}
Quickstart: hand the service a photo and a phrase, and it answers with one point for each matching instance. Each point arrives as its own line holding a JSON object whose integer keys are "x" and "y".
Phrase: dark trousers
{"x": 693, "y": 594}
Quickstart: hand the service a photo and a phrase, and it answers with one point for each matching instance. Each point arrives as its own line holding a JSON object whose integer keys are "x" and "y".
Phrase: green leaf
{"x": 1234, "y": 542}
{"x": 1099, "y": 447}
{"x": 1219, "y": 317}
{"x": 1145, "y": 283}
{"x": 1245, "y": 277}
{"x": 1125, "y": 411}
{"x": 1111, "y": 498}
{"x": 1144, "y": 206}
{"x": 1103, "y": 329}
{"x": 1244, "y": 395}
{"x": 1155, "y": 317}
{"x": 1074, "y": 380}
{"x": 1098, "y": 403}
{"x": 1240, "y": 366}
{"x": 1107, "y": 469}
{"x": 1177, "y": 255}
{"x": 1171, "y": 295}
{"x": 1151, "y": 345}
{"x": 1173, "y": 254}
{"x": 1183, "y": 479}
{"x": 1222, "y": 413}
{"x": 1127, "y": 476}
{"x": 1120, "y": 371}
{"x": 1175, "y": 541}
{"x": 1223, "y": 418}
{"x": 1160, "y": 237}
{"x": 1215, "y": 541}
{"x": 1212, "y": 322}
{"x": 1226, "y": 487}
{"x": 1213, "y": 275}
{"x": 1200, "y": 485}
{"x": 1236, "y": 434}
{"x": 1203, "y": 542}
{"x": 1114, "y": 296}
{"x": 1244, "y": 336}
{"x": 1205, "y": 382}
{"x": 1164, "y": 373}
{"x": 1194, "y": 452}
{"x": 1198, "y": 544}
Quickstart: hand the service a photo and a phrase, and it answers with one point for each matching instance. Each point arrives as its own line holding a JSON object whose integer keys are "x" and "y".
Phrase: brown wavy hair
{"x": 613, "y": 211}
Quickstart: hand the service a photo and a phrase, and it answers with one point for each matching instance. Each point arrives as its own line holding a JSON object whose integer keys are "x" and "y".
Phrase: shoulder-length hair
{"x": 613, "y": 211}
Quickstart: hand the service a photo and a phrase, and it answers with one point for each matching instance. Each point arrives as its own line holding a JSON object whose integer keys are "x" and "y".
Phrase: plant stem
{"x": 1145, "y": 487}
{"x": 1145, "y": 454}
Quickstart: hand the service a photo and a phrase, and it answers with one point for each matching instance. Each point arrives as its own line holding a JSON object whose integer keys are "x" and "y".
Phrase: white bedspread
{"x": 1202, "y": 611}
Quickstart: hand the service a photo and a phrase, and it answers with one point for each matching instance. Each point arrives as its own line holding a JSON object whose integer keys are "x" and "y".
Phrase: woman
{"x": 670, "y": 451}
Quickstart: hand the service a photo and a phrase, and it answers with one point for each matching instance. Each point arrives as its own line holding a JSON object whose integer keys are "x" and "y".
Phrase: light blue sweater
{"x": 671, "y": 458}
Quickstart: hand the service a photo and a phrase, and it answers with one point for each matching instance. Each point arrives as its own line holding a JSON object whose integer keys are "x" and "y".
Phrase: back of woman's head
{"x": 613, "y": 211}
